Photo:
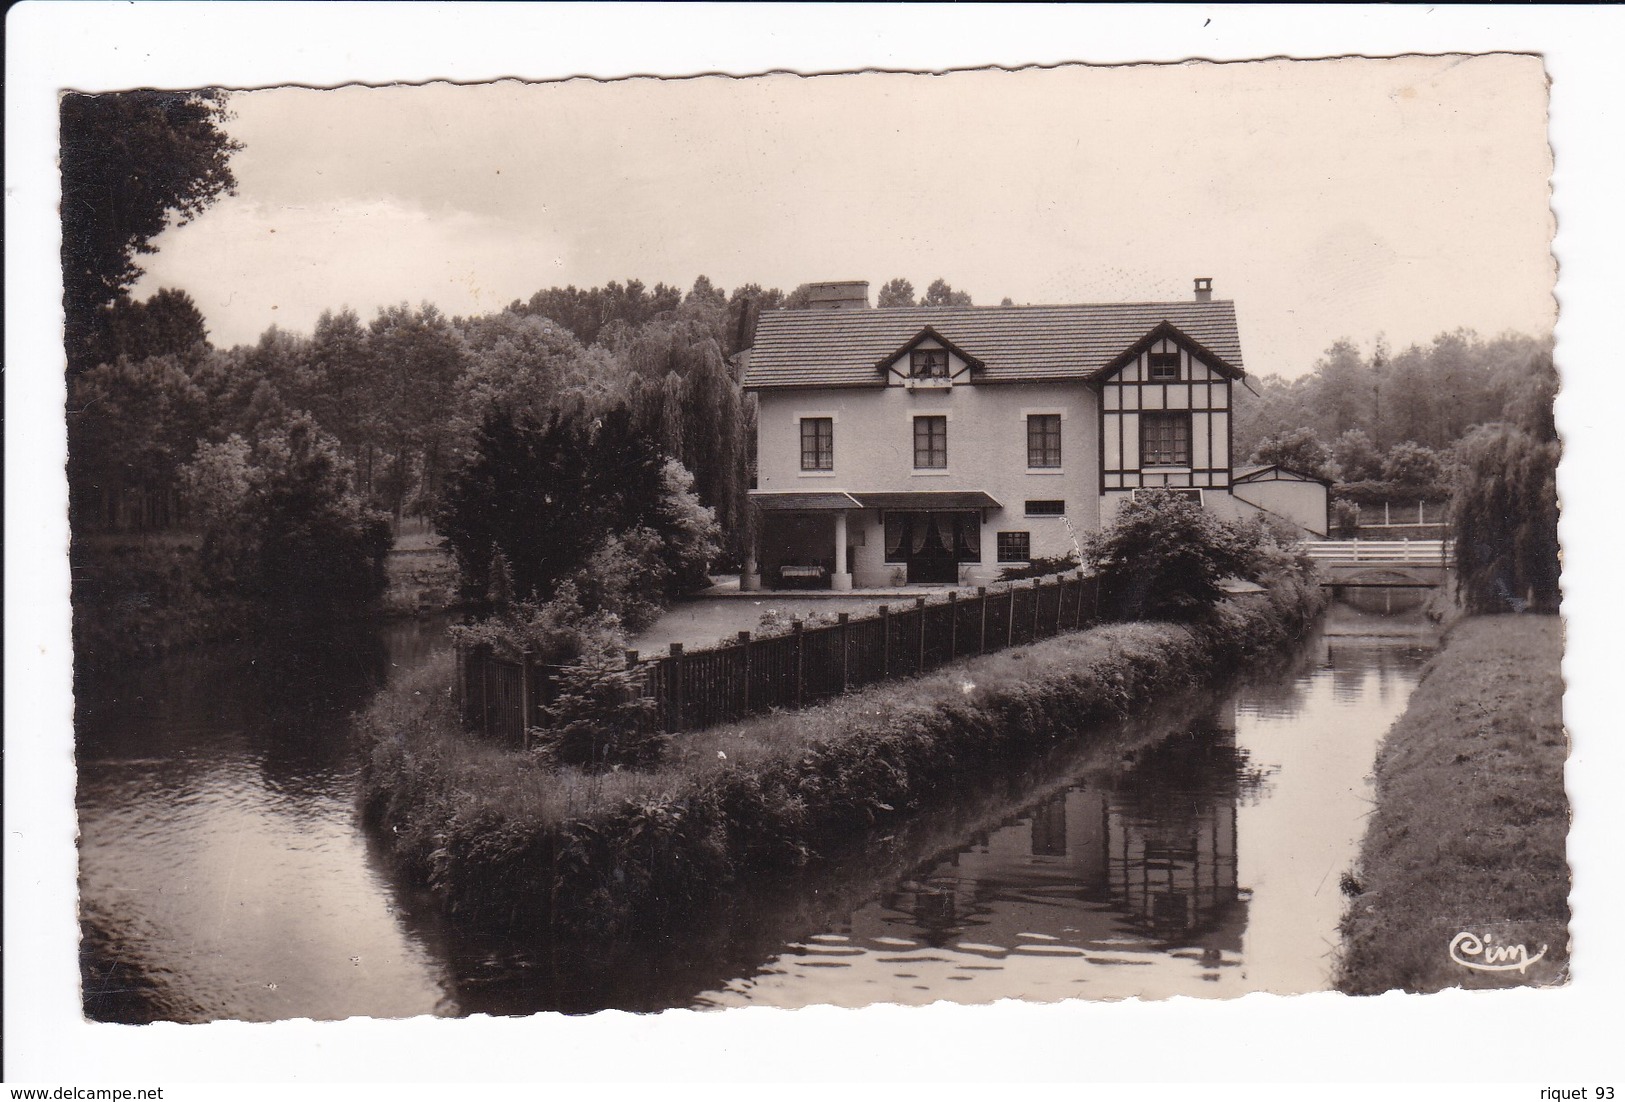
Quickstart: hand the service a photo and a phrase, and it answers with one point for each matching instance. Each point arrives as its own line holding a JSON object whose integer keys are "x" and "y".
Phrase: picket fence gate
{"x": 693, "y": 690}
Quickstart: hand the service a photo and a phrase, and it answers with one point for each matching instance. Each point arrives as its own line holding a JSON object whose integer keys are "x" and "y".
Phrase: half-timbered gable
{"x": 1165, "y": 415}
{"x": 928, "y": 359}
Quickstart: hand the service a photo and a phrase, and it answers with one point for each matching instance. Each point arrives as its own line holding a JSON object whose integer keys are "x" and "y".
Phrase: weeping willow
{"x": 1503, "y": 519}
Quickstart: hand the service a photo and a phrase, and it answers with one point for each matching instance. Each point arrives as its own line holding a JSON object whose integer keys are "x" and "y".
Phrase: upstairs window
{"x": 930, "y": 443}
{"x": 1044, "y": 440}
{"x": 928, "y": 363}
{"x": 1165, "y": 440}
{"x": 817, "y": 444}
{"x": 1164, "y": 366}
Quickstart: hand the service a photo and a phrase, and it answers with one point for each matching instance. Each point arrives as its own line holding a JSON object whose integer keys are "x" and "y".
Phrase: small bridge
{"x": 1387, "y": 564}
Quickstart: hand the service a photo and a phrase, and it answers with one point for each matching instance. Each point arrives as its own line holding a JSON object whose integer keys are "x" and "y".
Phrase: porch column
{"x": 841, "y": 580}
{"x": 750, "y": 575}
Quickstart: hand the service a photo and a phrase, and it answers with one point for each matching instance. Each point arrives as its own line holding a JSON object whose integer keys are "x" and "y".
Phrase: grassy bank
{"x": 505, "y": 841}
{"x": 1471, "y": 819}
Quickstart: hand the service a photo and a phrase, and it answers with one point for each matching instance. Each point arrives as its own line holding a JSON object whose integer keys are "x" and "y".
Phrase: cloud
{"x": 249, "y": 265}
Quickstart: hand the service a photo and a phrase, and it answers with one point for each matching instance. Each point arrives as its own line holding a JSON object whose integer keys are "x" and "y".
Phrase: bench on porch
{"x": 802, "y": 574}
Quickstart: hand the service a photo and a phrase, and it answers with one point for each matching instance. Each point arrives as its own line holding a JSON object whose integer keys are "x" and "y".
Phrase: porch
{"x": 877, "y": 542}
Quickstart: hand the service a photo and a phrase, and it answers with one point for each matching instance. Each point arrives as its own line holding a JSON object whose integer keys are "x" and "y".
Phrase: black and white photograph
{"x": 580, "y": 541}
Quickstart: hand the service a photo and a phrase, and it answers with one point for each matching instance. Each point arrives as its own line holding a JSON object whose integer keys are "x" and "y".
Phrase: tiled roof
{"x": 820, "y": 348}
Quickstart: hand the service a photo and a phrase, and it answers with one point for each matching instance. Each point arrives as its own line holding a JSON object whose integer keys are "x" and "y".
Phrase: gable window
{"x": 930, "y": 443}
{"x": 1165, "y": 440}
{"x": 1015, "y": 546}
{"x": 1164, "y": 366}
{"x": 928, "y": 363}
{"x": 817, "y": 444}
{"x": 1046, "y": 508}
{"x": 1044, "y": 440}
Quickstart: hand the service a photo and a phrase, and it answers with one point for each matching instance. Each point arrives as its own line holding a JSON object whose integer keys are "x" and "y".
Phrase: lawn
{"x": 1469, "y": 832}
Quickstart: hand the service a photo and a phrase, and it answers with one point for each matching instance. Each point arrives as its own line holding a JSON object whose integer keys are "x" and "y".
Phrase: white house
{"x": 942, "y": 444}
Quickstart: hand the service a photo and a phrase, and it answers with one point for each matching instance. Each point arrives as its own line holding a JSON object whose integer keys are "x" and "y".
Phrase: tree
{"x": 580, "y": 498}
{"x": 338, "y": 370}
{"x": 745, "y": 305}
{"x": 1503, "y": 519}
{"x": 703, "y": 291}
{"x": 283, "y": 528}
{"x": 130, "y": 161}
{"x": 416, "y": 359}
{"x": 515, "y": 361}
{"x": 1413, "y": 467}
{"x": 1298, "y": 450}
{"x": 1356, "y": 456}
{"x": 131, "y": 424}
{"x": 167, "y": 324}
{"x": 940, "y": 294}
{"x": 1530, "y": 395}
{"x": 800, "y": 298}
{"x": 1164, "y": 556}
{"x": 894, "y": 293}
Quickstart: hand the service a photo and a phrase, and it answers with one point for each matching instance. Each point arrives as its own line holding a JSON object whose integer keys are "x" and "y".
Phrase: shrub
{"x": 1164, "y": 556}
{"x": 555, "y": 632}
{"x": 1346, "y": 518}
{"x": 600, "y": 716}
{"x": 1039, "y": 568}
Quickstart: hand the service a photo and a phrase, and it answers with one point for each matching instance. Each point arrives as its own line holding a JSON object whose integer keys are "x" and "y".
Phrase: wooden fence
{"x": 693, "y": 690}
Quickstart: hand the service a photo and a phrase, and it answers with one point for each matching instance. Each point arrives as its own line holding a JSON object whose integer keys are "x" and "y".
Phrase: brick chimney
{"x": 852, "y": 294}
{"x": 1204, "y": 289}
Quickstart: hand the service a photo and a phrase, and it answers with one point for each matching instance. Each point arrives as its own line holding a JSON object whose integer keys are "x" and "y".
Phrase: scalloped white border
{"x": 1555, "y": 1037}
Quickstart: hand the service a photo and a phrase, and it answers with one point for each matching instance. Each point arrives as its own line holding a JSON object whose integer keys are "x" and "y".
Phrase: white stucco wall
{"x": 987, "y": 451}
{"x": 1301, "y": 503}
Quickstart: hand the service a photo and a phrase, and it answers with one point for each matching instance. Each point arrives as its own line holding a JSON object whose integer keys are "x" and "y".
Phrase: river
{"x": 224, "y": 872}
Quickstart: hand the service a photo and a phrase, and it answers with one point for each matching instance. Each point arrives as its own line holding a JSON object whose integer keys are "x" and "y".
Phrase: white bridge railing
{"x": 1420, "y": 552}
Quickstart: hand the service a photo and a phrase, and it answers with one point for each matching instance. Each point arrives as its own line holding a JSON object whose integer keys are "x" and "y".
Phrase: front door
{"x": 931, "y": 553}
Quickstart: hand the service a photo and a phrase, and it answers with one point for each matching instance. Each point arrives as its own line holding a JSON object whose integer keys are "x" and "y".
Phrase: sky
{"x": 1332, "y": 199}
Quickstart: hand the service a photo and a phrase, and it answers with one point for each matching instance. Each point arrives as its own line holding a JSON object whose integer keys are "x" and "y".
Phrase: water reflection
{"x": 222, "y": 872}
{"x": 1204, "y": 863}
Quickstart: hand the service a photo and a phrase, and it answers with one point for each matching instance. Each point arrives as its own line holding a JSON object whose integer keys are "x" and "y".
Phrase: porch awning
{"x": 929, "y": 499}
{"x": 803, "y": 501}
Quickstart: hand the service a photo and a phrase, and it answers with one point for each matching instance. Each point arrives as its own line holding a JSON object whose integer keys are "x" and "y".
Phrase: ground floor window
{"x": 1015, "y": 546}
{"x": 911, "y": 535}
{"x": 1053, "y": 508}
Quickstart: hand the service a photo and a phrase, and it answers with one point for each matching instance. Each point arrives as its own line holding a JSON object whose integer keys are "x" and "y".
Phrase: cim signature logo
{"x": 1478, "y": 953}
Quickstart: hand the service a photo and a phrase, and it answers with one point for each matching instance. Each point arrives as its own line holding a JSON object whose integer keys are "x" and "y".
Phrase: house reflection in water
{"x": 1133, "y": 860}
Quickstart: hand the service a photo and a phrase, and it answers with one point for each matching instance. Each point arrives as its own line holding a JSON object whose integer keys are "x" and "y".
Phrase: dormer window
{"x": 1164, "y": 366}
{"x": 928, "y": 363}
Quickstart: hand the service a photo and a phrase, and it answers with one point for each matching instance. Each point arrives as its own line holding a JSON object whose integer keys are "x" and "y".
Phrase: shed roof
{"x": 803, "y": 501}
{"x": 1262, "y": 472}
{"x": 830, "y": 348}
